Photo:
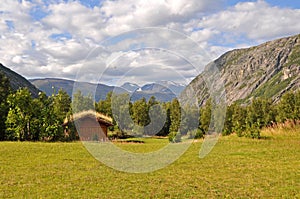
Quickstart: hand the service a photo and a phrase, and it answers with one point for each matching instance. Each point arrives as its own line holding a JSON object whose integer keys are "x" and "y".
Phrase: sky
{"x": 119, "y": 41}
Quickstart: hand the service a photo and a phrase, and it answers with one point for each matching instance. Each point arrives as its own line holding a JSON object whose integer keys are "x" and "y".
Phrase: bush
{"x": 174, "y": 137}
{"x": 253, "y": 132}
{"x": 195, "y": 134}
{"x": 118, "y": 134}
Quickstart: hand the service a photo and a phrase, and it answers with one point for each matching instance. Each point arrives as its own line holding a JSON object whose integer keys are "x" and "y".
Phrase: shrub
{"x": 195, "y": 134}
{"x": 253, "y": 132}
{"x": 174, "y": 137}
{"x": 118, "y": 134}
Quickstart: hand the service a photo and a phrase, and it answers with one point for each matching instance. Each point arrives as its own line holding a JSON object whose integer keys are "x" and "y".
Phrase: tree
{"x": 81, "y": 102}
{"x": 190, "y": 119}
{"x": 260, "y": 113}
{"x": 51, "y": 118}
{"x": 286, "y": 107}
{"x": 104, "y": 106}
{"x": 205, "y": 116}
{"x": 157, "y": 117}
{"x": 121, "y": 108}
{"x": 166, "y": 127}
{"x": 61, "y": 105}
{"x": 175, "y": 115}
{"x": 152, "y": 101}
{"x": 228, "y": 125}
{"x": 140, "y": 112}
{"x": 20, "y": 115}
{"x": 239, "y": 119}
{"x": 297, "y": 106}
{"x": 4, "y": 92}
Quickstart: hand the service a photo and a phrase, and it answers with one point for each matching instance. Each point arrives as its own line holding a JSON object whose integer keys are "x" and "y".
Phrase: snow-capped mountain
{"x": 162, "y": 91}
{"x": 176, "y": 88}
{"x": 130, "y": 87}
{"x": 154, "y": 88}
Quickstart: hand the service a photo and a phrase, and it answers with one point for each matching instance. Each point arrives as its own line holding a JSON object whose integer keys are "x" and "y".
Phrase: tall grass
{"x": 287, "y": 129}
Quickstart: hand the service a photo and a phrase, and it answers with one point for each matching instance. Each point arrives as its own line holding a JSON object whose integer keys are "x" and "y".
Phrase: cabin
{"x": 90, "y": 125}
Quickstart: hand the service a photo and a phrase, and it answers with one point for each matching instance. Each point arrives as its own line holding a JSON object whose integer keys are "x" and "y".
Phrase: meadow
{"x": 236, "y": 168}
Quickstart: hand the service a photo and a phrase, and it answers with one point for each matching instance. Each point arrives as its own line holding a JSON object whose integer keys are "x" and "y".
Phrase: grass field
{"x": 236, "y": 168}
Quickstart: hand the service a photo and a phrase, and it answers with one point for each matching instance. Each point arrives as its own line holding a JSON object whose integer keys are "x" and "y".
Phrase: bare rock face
{"x": 267, "y": 71}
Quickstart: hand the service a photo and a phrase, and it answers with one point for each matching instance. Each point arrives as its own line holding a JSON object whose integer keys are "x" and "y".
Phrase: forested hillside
{"x": 17, "y": 81}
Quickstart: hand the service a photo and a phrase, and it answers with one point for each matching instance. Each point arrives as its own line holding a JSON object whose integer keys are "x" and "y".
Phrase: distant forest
{"x": 24, "y": 118}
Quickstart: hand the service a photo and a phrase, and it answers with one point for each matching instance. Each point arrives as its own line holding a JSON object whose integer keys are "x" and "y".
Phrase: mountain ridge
{"x": 17, "y": 81}
{"x": 52, "y": 85}
{"x": 267, "y": 71}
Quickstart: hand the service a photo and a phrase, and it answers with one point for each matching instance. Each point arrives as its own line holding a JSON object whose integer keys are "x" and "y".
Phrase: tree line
{"x": 23, "y": 118}
{"x": 249, "y": 120}
{"x": 244, "y": 120}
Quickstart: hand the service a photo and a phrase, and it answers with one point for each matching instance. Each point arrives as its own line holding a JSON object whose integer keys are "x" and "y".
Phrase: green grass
{"x": 236, "y": 168}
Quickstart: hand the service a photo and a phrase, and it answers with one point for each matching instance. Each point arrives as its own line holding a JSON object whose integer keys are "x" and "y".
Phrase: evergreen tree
{"x": 140, "y": 112}
{"x": 158, "y": 117}
{"x": 205, "y": 116}
{"x": 190, "y": 119}
{"x": 175, "y": 115}
{"x": 166, "y": 127}
{"x": 121, "y": 108}
{"x": 228, "y": 125}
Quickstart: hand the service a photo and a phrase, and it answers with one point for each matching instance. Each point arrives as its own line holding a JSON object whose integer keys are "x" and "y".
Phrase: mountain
{"x": 162, "y": 92}
{"x": 155, "y": 88}
{"x": 176, "y": 88}
{"x": 130, "y": 87}
{"x": 17, "y": 81}
{"x": 267, "y": 71}
{"x": 50, "y": 85}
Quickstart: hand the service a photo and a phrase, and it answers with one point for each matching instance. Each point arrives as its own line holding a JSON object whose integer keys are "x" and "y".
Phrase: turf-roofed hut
{"x": 90, "y": 125}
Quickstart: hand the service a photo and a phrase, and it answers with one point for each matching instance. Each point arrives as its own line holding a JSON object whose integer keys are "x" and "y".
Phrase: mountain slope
{"x": 173, "y": 86}
{"x": 51, "y": 85}
{"x": 161, "y": 92}
{"x": 266, "y": 71}
{"x": 17, "y": 81}
{"x": 130, "y": 87}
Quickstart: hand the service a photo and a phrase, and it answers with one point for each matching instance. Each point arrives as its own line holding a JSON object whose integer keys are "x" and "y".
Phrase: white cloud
{"x": 76, "y": 19}
{"x": 256, "y": 20}
{"x": 30, "y": 48}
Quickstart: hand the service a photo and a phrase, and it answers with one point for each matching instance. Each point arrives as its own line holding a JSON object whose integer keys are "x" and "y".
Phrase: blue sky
{"x": 56, "y": 38}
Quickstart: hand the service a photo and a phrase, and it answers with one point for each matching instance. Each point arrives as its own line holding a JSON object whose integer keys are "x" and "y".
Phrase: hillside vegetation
{"x": 17, "y": 81}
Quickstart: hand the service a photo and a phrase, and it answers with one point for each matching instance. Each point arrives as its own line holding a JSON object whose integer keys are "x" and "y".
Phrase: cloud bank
{"x": 55, "y": 38}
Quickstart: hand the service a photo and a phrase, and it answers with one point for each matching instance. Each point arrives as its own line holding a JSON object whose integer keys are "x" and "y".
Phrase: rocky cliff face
{"x": 265, "y": 71}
